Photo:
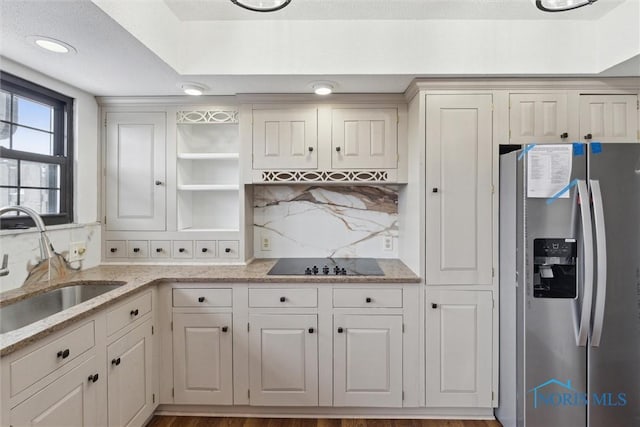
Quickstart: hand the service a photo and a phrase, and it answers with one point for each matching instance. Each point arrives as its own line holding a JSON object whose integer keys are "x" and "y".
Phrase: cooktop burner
{"x": 326, "y": 267}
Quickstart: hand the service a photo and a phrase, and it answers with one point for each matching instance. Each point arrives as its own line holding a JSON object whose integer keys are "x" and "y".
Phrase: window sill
{"x": 49, "y": 228}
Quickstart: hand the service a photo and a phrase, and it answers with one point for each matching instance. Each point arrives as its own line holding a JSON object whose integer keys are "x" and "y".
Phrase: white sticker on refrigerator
{"x": 549, "y": 170}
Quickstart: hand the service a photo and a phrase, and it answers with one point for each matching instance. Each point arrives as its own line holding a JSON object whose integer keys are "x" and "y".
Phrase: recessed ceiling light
{"x": 322, "y": 88}
{"x": 192, "y": 89}
{"x": 261, "y": 5}
{"x": 52, "y": 45}
{"x": 561, "y": 5}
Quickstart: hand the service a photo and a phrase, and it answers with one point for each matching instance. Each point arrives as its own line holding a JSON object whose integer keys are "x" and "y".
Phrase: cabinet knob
{"x": 112, "y": 250}
{"x": 204, "y": 250}
{"x": 225, "y": 328}
{"x": 311, "y": 330}
{"x": 338, "y": 149}
{"x": 564, "y": 135}
{"x": 136, "y": 250}
{"x": 368, "y": 299}
{"x": 63, "y": 354}
{"x": 588, "y": 136}
{"x": 227, "y": 250}
{"x": 340, "y": 330}
{"x": 434, "y": 305}
{"x": 434, "y": 190}
{"x": 134, "y": 312}
{"x": 283, "y": 299}
{"x": 115, "y": 362}
{"x": 310, "y": 149}
{"x": 200, "y": 299}
{"x": 158, "y": 250}
{"x": 93, "y": 378}
{"x": 159, "y": 183}
{"x": 181, "y": 250}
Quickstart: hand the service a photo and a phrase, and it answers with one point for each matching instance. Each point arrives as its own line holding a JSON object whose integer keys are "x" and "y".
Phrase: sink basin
{"x": 37, "y": 307}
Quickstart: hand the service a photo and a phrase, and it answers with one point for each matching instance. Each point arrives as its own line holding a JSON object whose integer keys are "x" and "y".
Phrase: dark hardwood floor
{"x": 170, "y": 421}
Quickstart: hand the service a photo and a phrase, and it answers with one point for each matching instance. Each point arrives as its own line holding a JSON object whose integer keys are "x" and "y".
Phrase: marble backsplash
{"x": 325, "y": 221}
{"x": 24, "y": 250}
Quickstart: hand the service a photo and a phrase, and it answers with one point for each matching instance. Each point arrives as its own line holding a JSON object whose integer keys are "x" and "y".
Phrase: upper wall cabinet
{"x": 135, "y": 171}
{"x": 538, "y": 118}
{"x": 609, "y": 118}
{"x": 459, "y": 214}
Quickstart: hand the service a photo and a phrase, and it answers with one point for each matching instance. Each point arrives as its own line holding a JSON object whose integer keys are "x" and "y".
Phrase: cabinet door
{"x": 283, "y": 359}
{"x": 285, "y": 139}
{"x": 129, "y": 382}
{"x": 202, "y": 358}
{"x": 459, "y": 190}
{"x": 458, "y": 353}
{"x": 609, "y": 118}
{"x": 367, "y": 365}
{"x": 71, "y": 400}
{"x": 364, "y": 138}
{"x": 135, "y": 171}
{"x": 538, "y": 118}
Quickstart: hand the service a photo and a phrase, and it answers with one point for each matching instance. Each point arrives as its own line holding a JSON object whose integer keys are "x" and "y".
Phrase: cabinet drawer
{"x": 29, "y": 369}
{"x": 205, "y": 249}
{"x": 283, "y": 298}
{"x": 128, "y": 313}
{"x": 202, "y": 297}
{"x": 367, "y": 298}
{"x": 160, "y": 249}
{"x": 137, "y": 248}
{"x": 115, "y": 249}
{"x": 228, "y": 249}
{"x": 182, "y": 249}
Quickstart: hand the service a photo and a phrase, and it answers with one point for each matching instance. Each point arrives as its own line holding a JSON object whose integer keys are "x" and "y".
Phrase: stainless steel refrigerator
{"x": 570, "y": 286}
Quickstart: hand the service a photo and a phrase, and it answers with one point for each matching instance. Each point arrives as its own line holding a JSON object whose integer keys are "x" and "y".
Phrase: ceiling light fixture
{"x": 192, "y": 89}
{"x": 322, "y": 88}
{"x": 52, "y": 45}
{"x": 561, "y": 5}
{"x": 261, "y": 5}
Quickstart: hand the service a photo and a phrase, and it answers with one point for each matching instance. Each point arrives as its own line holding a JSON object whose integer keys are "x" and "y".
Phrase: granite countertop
{"x": 139, "y": 277}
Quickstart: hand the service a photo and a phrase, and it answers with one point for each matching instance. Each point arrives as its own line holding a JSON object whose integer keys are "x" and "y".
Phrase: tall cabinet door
{"x": 609, "y": 118}
{"x": 459, "y": 348}
{"x": 202, "y": 358}
{"x": 135, "y": 171}
{"x": 459, "y": 190}
{"x": 538, "y": 118}
{"x": 367, "y": 366}
{"x": 283, "y": 359}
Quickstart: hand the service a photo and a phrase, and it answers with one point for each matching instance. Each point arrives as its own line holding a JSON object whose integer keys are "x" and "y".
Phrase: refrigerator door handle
{"x": 601, "y": 256}
{"x": 583, "y": 318}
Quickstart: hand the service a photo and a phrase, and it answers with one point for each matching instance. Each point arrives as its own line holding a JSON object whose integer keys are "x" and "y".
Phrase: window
{"x": 36, "y": 152}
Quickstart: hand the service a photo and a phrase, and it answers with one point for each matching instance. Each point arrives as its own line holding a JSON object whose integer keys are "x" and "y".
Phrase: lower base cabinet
{"x": 367, "y": 365}
{"x": 283, "y": 359}
{"x": 129, "y": 377}
{"x": 459, "y": 348}
{"x": 203, "y": 361}
{"x": 71, "y": 400}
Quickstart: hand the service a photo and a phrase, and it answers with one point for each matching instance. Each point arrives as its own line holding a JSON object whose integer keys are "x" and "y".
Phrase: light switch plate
{"x": 77, "y": 251}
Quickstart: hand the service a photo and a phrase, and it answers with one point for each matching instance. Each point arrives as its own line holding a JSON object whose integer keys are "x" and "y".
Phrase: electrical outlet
{"x": 265, "y": 243}
{"x": 77, "y": 251}
{"x": 387, "y": 243}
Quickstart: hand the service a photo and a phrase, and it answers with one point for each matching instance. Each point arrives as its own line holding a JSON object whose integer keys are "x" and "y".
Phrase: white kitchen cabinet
{"x": 459, "y": 214}
{"x": 364, "y": 138}
{"x": 536, "y": 118}
{"x": 71, "y": 400}
{"x": 459, "y": 344}
{"x": 609, "y": 118}
{"x": 285, "y": 138}
{"x": 135, "y": 171}
{"x": 202, "y": 352}
{"x": 283, "y": 359}
{"x": 367, "y": 368}
{"x": 129, "y": 377}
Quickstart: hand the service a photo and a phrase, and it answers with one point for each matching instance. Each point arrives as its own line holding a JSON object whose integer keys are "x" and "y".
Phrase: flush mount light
{"x": 261, "y": 5}
{"x": 322, "y": 88}
{"x": 52, "y": 45}
{"x": 192, "y": 89}
{"x": 561, "y": 5}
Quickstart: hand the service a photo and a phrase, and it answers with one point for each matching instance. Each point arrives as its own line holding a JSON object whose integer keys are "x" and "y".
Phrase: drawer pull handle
{"x": 434, "y": 305}
{"x": 588, "y": 136}
{"x": 225, "y": 329}
{"x": 93, "y": 378}
{"x": 340, "y": 330}
{"x": 63, "y": 353}
{"x": 204, "y": 250}
{"x": 113, "y": 250}
{"x": 368, "y": 299}
{"x": 200, "y": 299}
{"x": 311, "y": 330}
{"x": 227, "y": 250}
{"x": 136, "y": 250}
{"x": 115, "y": 362}
{"x": 564, "y": 135}
{"x": 283, "y": 299}
{"x": 158, "y": 182}
{"x": 434, "y": 190}
{"x": 181, "y": 250}
{"x": 338, "y": 149}
{"x": 134, "y": 312}
{"x": 310, "y": 149}
{"x": 158, "y": 250}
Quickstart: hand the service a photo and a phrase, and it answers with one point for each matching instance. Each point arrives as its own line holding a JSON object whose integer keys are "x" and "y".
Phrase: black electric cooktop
{"x": 326, "y": 267}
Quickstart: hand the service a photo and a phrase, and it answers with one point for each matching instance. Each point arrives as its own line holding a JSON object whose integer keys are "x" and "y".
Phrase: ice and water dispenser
{"x": 554, "y": 268}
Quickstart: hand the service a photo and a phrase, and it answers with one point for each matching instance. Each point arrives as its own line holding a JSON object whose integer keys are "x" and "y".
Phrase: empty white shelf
{"x": 208, "y": 187}
{"x": 208, "y": 156}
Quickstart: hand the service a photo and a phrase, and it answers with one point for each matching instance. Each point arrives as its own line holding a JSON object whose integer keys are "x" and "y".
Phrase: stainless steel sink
{"x": 37, "y": 307}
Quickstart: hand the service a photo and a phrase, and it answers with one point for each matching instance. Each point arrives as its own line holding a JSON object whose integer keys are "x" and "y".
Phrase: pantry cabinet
{"x": 538, "y": 118}
{"x": 609, "y": 118}
{"x": 459, "y": 342}
{"x": 135, "y": 171}
{"x": 459, "y": 189}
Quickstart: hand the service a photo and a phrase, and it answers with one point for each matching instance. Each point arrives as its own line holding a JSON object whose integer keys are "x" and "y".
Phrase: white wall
{"x": 22, "y": 247}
